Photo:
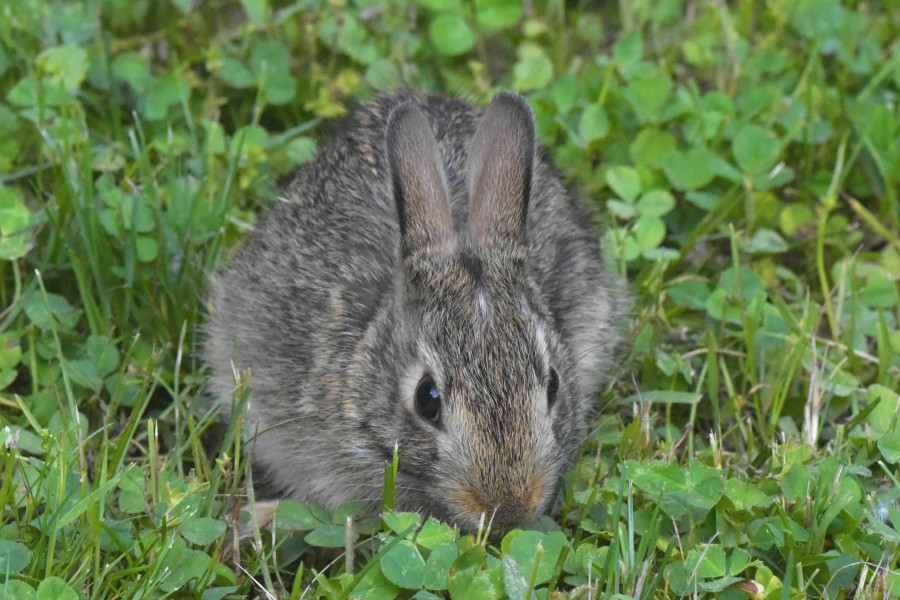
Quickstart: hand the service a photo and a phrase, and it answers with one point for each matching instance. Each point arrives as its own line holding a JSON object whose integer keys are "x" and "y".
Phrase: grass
{"x": 745, "y": 161}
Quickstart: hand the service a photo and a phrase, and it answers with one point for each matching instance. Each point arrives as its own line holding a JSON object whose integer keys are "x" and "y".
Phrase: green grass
{"x": 745, "y": 161}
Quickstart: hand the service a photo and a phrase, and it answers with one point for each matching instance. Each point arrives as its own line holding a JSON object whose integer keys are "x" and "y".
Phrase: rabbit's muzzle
{"x": 503, "y": 508}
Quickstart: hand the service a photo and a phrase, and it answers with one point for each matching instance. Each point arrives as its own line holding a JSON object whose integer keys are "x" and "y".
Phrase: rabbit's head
{"x": 490, "y": 409}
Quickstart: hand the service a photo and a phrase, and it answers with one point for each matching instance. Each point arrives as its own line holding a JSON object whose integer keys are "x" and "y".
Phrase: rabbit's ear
{"x": 499, "y": 168}
{"x": 419, "y": 182}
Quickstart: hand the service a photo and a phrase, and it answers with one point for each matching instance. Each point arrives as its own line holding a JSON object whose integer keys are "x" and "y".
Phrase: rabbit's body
{"x": 397, "y": 274}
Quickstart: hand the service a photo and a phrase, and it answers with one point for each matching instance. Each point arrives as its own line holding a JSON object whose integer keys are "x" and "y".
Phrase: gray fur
{"x": 429, "y": 236}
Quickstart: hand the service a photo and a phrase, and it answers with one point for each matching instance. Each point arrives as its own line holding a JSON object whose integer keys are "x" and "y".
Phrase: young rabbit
{"x": 426, "y": 281}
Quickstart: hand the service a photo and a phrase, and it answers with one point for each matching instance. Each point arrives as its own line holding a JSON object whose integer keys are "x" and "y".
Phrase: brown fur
{"x": 428, "y": 237}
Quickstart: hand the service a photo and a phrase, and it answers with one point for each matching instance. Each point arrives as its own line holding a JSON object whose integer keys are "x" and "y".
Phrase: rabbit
{"x": 427, "y": 281}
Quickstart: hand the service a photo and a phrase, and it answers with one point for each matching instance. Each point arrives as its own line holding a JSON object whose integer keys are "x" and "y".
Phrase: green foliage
{"x": 743, "y": 157}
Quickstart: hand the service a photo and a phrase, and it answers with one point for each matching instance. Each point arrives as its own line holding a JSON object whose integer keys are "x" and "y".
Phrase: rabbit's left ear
{"x": 499, "y": 168}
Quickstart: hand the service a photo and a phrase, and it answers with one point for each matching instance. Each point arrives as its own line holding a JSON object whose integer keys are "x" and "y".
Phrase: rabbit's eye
{"x": 428, "y": 400}
{"x": 552, "y": 387}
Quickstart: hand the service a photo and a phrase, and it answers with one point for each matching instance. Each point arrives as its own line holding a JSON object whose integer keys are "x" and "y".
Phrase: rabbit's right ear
{"x": 499, "y": 168}
{"x": 419, "y": 183}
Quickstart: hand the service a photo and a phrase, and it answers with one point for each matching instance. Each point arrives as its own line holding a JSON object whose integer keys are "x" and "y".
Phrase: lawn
{"x": 742, "y": 159}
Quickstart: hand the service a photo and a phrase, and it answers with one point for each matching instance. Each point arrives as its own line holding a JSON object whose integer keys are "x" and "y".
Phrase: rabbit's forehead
{"x": 494, "y": 354}
{"x": 477, "y": 293}
{"x": 480, "y": 325}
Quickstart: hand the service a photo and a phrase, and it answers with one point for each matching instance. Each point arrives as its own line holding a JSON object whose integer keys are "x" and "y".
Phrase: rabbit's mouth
{"x": 471, "y": 510}
{"x": 471, "y": 507}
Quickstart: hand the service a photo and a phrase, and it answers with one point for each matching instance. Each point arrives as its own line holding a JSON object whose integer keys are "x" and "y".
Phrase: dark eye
{"x": 428, "y": 400}
{"x": 552, "y": 387}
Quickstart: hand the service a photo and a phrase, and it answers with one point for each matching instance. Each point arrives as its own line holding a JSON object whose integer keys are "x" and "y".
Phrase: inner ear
{"x": 499, "y": 169}
{"x": 419, "y": 182}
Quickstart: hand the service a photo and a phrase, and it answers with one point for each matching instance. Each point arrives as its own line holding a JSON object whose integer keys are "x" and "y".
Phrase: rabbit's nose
{"x": 502, "y": 506}
{"x": 512, "y": 506}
